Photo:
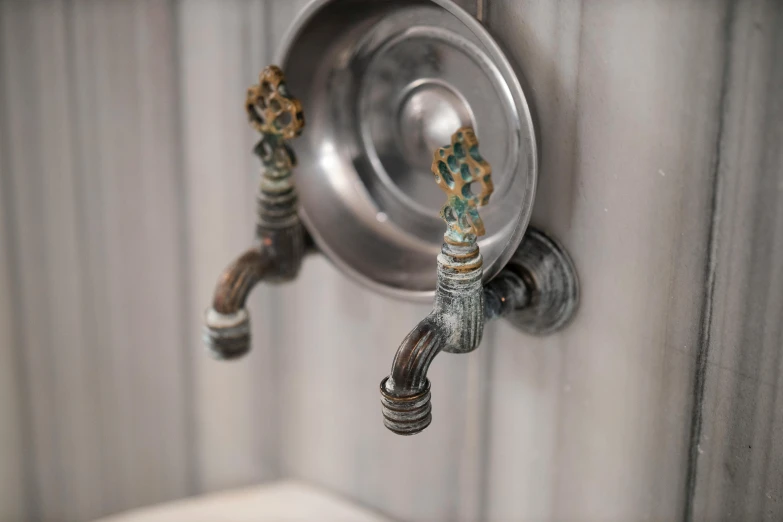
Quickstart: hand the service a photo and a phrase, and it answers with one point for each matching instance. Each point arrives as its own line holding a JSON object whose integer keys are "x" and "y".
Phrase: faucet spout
{"x": 227, "y": 323}
{"x": 456, "y": 322}
{"x": 405, "y": 393}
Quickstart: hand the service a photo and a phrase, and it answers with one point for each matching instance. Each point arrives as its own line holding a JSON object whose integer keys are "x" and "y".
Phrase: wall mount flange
{"x": 552, "y": 282}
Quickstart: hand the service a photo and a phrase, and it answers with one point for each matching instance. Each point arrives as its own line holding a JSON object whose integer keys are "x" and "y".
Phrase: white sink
{"x": 276, "y": 501}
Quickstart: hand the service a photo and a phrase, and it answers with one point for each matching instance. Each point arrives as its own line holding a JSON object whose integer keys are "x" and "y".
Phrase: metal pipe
{"x": 505, "y": 294}
{"x": 405, "y": 393}
{"x": 276, "y": 259}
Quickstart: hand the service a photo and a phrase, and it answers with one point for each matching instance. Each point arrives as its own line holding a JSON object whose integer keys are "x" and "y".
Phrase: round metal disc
{"x": 384, "y": 84}
{"x": 551, "y": 277}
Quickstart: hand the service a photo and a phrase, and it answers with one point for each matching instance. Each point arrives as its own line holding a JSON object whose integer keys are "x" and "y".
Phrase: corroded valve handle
{"x": 456, "y": 168}
{"x": 278, "y": 116}
{"x": 271, "y": 108}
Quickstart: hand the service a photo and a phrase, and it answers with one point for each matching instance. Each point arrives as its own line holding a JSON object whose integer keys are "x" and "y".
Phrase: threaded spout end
{"x": 227, "y": 336}
{"x": 406, "y": 415}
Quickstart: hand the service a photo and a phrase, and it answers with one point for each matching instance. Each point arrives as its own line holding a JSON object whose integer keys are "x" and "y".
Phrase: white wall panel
{"x": 737, "y": 460}
{"x": 221, "y": 50}
{"x": 593, "y": 423}
{"x": 127, "y": 184}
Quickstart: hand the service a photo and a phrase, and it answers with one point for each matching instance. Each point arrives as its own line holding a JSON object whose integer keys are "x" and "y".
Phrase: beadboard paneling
{"x": 124, "y": 58}
{"x": 737, "y": 456}
{"x": 90, "y": 103}
{"x": 222, "y": 49}
{"x": 592, "y": 423}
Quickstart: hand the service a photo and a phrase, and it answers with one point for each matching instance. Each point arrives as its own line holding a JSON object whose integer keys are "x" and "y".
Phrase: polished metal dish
{"x": 384, "y": 84}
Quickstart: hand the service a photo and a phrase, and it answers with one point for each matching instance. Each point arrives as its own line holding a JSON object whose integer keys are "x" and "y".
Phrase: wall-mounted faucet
{"x": 538, "y": 288}
{"x": 280, "y": 237}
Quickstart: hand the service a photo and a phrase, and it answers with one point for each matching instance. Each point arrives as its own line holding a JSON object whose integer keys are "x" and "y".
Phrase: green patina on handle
{"x": 456, "y": 168}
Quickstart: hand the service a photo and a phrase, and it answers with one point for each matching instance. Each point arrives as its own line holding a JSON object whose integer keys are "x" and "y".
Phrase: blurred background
{"x": 127, "y": 183}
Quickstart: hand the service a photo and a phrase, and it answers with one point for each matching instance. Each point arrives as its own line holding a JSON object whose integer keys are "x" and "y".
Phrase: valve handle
{"x": 456, "y": 168}
{"x": 278, "y": 116}
{"x": 271, "y": 108}
{"x": 277, "y": 256}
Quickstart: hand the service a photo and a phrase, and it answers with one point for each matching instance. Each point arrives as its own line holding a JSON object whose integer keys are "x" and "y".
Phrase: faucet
{"x": 462, "y": 304}
{"x": 281, "y": 240}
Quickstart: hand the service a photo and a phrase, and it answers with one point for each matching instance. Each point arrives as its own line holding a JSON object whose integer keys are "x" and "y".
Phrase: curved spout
{"x": 455, "y": 325}
{"x": 227, "y": 323}
{"x": 237, "y": 280}
{"x": 405, "y": 393}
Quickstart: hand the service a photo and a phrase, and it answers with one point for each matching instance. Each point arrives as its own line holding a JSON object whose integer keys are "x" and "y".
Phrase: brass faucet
{"x": 281, "y": 239}
{"x": 456, "y": 322}
{"x": 462, "y": 304}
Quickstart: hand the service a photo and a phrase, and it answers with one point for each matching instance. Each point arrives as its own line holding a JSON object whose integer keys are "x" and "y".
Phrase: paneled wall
{"x": 738, "y": 439}
{"x": 127, "y": 183}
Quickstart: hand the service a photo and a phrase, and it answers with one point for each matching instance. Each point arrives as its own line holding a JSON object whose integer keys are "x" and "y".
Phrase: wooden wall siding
{"x": 92, "y": 185}
{"x": 592, "y": 424}
{"x": 333, "y": 359}
{"x": 738, "y": 452}
{"x": 222, "y": 47}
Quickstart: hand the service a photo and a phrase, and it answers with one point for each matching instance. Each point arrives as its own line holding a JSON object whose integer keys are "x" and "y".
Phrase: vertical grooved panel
{"x": 124, "y": 54}
{"x": 89, "y": 95}
{"x": 14, "y": 452}
{"x": 42, "y": 179}
{"x": 593, "y": 423}
{"x": 222, "y": 49}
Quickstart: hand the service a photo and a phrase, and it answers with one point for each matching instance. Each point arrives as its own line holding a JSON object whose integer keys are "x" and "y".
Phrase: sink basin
{"x": 277, "y": 501}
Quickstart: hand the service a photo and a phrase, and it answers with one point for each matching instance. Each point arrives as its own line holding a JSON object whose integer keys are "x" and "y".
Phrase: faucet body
{"x": 455, "y": 325}
{"x": 537, "y": 290}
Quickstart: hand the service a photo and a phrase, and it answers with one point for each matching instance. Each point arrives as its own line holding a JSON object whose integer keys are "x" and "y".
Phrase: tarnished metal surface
{"x": 456, "y": 322}
{"x": 280, "y": 237}
{"x": 456, "y": 168}
{"x": 270, "y": 107}
{"x": 550, "y": 277}
{"x": 538, "y": 290}
{"x": 455, "y": 325}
